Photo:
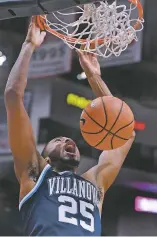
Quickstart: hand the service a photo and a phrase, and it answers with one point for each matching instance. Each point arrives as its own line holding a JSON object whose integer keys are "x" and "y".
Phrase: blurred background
{"x": 56, "y": 94}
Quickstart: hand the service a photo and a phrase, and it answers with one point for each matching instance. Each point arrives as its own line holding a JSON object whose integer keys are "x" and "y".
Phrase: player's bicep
{"x": 20, "y": 134}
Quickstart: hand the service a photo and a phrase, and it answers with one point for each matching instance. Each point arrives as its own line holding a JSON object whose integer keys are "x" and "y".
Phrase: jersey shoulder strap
{"x": 36, "y": 187}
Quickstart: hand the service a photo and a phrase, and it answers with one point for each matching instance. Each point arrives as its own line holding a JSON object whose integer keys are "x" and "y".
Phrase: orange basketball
{"x": 107, "y": 123}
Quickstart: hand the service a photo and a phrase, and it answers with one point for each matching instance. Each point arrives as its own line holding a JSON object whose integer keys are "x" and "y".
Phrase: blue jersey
{"x": 62, "y": 204}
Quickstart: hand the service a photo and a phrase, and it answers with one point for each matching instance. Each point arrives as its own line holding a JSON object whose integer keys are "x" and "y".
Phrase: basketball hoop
{"x": 107, "y": 28}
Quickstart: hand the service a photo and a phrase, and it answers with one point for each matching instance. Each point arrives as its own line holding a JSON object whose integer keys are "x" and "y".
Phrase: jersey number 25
{"x": 73, "y": 209}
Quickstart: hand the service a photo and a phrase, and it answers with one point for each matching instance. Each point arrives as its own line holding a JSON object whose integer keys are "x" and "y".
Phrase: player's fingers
{"x": 32, "y": 22}
{"x": 95, "y": 58}
{"x": 80, "y": 54}
{"x": 82, "y": 47}
{"x": 133, "y": 134}
{"x": 90, "y": 54}
{"x": 33, "y": 19}
{"x": 94, "y": 55}
{"x": 43, "y": 34}
{"x": 85, "y": 53}
{"x": 84, "y": 50}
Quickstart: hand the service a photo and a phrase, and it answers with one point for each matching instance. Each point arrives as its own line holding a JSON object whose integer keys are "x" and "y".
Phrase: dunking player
{"x": 54, "y": 200}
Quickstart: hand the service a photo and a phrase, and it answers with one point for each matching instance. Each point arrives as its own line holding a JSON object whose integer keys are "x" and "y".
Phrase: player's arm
{"x": 110, "y": 162}
{"x": 20, "y": 132}
{"x": 91, "y": 67}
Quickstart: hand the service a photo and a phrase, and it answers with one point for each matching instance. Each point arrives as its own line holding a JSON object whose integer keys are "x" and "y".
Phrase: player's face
{"x": 63, "y": 154}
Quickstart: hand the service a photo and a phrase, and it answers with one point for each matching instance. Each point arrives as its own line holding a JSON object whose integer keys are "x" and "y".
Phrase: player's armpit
{"x": 22, "y": 142}
{"x": 110, "y": 163}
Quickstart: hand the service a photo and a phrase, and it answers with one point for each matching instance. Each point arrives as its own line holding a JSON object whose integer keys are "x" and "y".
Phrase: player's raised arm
{"x": 91, "y": 67}
{"x": 111, "y": 161}
{"x": 20, "y": 131}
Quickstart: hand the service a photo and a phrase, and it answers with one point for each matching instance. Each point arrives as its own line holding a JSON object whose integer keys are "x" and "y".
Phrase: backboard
{"x": 25, "y": 8}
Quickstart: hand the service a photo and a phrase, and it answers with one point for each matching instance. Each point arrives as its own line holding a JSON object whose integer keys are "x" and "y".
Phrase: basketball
{"x": 107, "y": 123}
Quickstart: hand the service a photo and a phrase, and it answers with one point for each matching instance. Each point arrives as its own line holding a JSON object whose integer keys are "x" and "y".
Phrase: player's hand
{"x": 133, "y": 134}
{"x": 34, "y": 35}
{"x": 89, "y": 63}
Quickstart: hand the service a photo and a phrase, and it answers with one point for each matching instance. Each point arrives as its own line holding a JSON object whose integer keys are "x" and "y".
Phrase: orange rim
{"x": 41, "y": 23}
{"x": 140, "y": 11}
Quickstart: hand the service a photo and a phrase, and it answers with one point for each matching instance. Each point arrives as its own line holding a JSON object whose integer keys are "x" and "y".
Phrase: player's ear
{"x": 48, "y": 160}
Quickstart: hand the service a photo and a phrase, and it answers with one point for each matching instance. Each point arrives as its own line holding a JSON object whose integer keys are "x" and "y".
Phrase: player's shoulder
{"x": 30, "y": 181}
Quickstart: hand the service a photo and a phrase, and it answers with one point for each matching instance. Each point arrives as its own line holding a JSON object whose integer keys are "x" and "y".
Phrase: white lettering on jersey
{"x": 78, "y": 188}
{"x": 51, "y": 183}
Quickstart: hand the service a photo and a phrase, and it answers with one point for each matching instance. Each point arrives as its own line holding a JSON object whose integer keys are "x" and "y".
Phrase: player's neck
{"x": 58, "y": 170}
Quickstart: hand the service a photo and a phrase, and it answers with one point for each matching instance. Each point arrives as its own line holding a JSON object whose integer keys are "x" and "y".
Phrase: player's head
{"x": 62, "y": 154}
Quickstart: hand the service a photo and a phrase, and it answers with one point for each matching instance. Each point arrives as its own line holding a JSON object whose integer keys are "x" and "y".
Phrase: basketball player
{"x": 54, "y": 200}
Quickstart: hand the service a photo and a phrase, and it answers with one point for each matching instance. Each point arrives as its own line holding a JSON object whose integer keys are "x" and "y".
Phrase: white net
{"x": 100, "y": 28}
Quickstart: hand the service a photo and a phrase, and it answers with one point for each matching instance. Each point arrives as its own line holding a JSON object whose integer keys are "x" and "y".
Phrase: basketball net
{"x": 100, "y": 28}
